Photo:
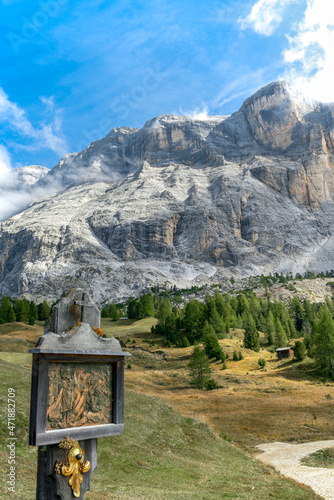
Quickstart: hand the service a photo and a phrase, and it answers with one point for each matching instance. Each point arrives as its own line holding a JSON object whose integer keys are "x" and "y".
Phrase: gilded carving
{"x": 75, "y": 465}
{"x": 79, "y": 395}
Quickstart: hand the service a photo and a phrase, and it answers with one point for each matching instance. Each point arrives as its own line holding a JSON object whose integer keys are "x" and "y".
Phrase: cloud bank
{"x": 265, "y": 16}
{"x": 310, "y": 56}
{"x": 17, "y": 189}
{"x": 308, "y": 59}
{"x": 5, "y": 163}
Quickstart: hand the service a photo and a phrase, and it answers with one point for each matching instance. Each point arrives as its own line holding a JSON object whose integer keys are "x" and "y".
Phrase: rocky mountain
{"x": 181, "y": 201}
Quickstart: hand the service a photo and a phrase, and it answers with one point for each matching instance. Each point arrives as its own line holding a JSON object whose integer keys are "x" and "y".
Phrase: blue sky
{"x": 71, "y": 71}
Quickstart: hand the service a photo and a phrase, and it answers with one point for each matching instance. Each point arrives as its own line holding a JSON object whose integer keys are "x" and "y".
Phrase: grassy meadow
{"x": 282, "y": 402}
{"x": 180, "y": 442}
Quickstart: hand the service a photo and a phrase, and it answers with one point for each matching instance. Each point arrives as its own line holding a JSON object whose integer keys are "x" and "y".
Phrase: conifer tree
{"x": 33, "y": 310}
{"x": 210, "y": 340}
{"x": 114, "y": 312}
{"x": 251, "y": 337}
{"x": 164, "y": 310}
{"x": 299, "y": 350}
{"x": 280, "y": 335}
{"x": 324, "y": 349}
{"x": 44, "y": 311}
{"x": 269, "y": 329}
{"x": 25, "y": 312}
{"x": 145, "y": 306}
{"x": 18, "y": 309}
{"x": 199, "y": 368}
{"x": 194, "y": 318}
{"x": 10, "y": 314}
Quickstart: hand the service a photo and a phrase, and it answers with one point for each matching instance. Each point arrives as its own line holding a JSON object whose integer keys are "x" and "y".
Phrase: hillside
{"x": 162, "y": 455}
{"x": 181, "y": 201}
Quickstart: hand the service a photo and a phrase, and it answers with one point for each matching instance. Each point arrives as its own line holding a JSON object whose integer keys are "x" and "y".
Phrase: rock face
{"x": 182, "y": 201}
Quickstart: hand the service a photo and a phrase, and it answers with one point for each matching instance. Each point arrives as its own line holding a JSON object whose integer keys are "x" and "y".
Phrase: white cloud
{"x": 5, "y": 163}
{"x": 48, "y": 136}
{"x": 197, "y": 113}
{"x": 265, "y": 16}
{"x": 310, "y": 56}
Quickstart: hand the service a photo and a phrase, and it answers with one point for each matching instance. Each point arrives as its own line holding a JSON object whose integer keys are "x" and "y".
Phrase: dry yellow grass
{"x": 19, "y": 337}
{"x": 252, "y": 405}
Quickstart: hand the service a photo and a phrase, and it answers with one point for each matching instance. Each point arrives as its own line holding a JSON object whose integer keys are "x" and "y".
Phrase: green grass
{"x": 321, "y": 458}
{"x": 128, "y": 327}
{"x": 162, "y": 455}
{"x": 19, "y": 337}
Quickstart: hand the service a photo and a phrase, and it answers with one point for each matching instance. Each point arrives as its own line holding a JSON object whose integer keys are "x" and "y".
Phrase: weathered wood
{"x": 118, "y": 389}
{"x": 93, "y": 431}
{"x": 54, "y": 348}
{"x": 97, "y": 366}
{"x": 75, "y": 307}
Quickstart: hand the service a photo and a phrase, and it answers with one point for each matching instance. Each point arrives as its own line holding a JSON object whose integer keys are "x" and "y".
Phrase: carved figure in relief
{"x": 78, "y": 396}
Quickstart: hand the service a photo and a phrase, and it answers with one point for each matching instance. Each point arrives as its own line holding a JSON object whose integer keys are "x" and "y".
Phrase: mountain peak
{"x": 274, "y": 111}
{"x": 275, "y": 93}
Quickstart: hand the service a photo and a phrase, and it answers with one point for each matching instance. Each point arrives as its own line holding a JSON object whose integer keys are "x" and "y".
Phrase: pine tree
{"x": 270, "y": 328}
{"x": 114, "y": 312}
{"x": 6, "y": 310}
{"x": 33, "y": 310}
{"x": 210, "y": 340}
{"x": 44, "y": 311}
{"x": 145, "y": 306}
{"x": 299, "y": 350}
{"x": 25, "y": 313}
{"x": 132, "y": 309}
{"x": 324, "y": 348}
{"x": 251, "y": 337}
{"x": 199, "y": 368}
{"x": 18, "y": 309}
{"x": 280, "y": 336}
{"x": 10, "y": 314}
{"x": 164, "y": 310}
{"x": 298, "y": 313}
{"x": 194, "y": 318}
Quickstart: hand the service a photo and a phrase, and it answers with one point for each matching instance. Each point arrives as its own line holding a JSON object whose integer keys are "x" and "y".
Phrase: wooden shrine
{"x": 77, "y": 395}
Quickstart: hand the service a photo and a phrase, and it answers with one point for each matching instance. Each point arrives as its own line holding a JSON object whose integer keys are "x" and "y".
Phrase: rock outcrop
{"x": 182, "y": 201}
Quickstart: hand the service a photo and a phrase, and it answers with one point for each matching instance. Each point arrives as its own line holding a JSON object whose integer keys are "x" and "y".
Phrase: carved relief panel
{"x": 79, "y": 394}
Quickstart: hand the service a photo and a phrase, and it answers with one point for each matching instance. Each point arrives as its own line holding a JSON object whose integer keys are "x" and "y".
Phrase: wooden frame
{"x": 38, "y": 434}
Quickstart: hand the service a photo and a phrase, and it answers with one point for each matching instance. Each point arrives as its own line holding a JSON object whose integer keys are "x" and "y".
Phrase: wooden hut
{"x": 285, "y": 352}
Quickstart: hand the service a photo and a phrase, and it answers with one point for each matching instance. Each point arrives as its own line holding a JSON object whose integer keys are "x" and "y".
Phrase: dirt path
{"x": 285, "y": 458}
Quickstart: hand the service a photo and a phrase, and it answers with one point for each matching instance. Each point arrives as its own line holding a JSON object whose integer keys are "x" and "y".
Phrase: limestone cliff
{"x": 182, "y": 201}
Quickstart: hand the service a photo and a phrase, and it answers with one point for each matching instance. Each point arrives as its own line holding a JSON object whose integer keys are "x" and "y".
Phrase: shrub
{"x": 262, "y": 362}
{"x": 240, "y": 356}
{"x": 129, "y": 366}
{"x": 211, "y": 384}
{"x": 31, "y": 320}
{"x": 185, "y": 342}
{"x": 235, "y": 356}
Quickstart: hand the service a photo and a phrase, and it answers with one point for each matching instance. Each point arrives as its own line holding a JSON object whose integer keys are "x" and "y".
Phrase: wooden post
{"x": 53, "y": 486}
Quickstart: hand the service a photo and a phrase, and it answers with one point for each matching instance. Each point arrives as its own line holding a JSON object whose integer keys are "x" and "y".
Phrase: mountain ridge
{"x": 181, "y": 201}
